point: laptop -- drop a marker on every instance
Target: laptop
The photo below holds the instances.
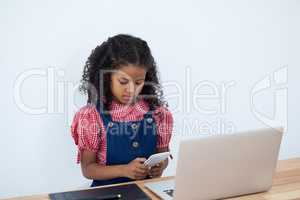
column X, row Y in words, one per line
column 223, row 166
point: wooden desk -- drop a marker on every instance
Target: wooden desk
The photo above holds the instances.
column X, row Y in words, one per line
column 286, row 184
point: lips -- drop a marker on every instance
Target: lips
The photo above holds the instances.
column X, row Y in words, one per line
column 127, row 98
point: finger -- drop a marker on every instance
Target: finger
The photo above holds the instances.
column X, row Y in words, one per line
column 160, row 164
column 141, row 160
column 156, row 170
column 140, row 171
column 155, row 167
column 142, row 175
column 155, row 174
column 143, row 167
column 139, row 177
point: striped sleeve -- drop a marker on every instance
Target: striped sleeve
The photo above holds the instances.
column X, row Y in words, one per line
column 164, row 122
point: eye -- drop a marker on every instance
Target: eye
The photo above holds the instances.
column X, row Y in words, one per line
column 123, row 81
column 139, row 82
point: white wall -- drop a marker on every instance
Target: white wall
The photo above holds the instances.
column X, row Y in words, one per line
column 218, row 41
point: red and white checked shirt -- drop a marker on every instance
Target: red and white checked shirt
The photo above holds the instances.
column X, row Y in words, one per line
column 87, row 125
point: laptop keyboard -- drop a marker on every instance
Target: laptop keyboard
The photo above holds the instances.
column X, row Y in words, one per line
column 169, row 192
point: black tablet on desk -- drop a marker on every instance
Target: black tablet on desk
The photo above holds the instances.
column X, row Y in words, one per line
column 124, row 192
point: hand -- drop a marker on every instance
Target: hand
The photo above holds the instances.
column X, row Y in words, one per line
column 157, row 170
column 136, row 169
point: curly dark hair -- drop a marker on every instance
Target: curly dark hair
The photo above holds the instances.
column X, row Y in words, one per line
column 117, row 51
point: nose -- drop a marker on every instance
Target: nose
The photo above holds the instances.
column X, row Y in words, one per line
column 130, row 89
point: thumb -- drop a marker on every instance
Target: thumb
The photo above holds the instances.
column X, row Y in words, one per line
column 141, row 159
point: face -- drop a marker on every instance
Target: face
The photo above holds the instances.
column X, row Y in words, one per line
column 127, row 83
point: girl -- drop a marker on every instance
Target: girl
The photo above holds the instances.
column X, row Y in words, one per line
column 126, row 119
